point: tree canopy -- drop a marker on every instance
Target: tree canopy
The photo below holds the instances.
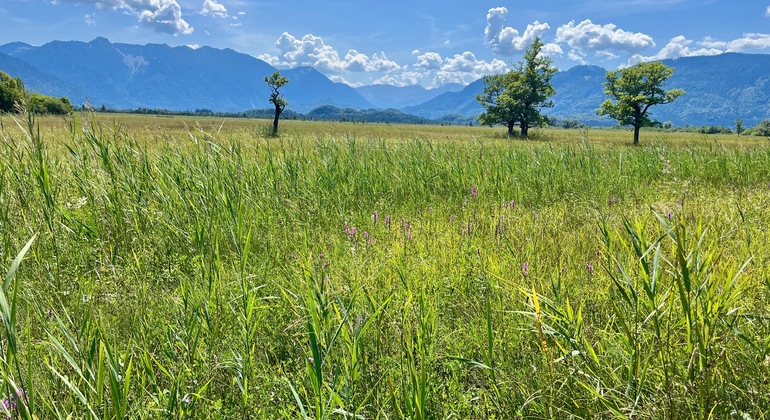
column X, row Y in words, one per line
column 275, row 82
column 11, row 92
column 515, row 98
column 635, row 90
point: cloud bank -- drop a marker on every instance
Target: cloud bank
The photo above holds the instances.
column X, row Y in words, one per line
column 429, row 68
column 160, row 15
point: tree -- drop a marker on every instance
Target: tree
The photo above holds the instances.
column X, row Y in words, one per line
column 11, row 92
column 275, row 82
column 635, row 90
column 739, row 126
column 42, row 104
column 517, row 96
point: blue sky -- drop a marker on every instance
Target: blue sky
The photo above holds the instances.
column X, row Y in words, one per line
column 400, row 42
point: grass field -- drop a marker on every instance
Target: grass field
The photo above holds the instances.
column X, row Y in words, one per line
column 198, row 268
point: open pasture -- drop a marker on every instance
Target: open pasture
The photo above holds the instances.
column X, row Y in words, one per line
column 198, row 268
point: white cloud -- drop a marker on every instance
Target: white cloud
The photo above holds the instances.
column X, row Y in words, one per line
column 767, row 12
column 212, row 8
column 505, row 40
column 465, row 68
column 406, row 78
column 160, row 15
column 747, row 42
column 339, row 79
column 429, row 61
column 193, row 46
column 90, row 19
column 587, row 36
column 311, row 50
column 678, row 47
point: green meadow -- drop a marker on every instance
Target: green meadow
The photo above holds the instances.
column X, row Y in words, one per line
column 195, row 268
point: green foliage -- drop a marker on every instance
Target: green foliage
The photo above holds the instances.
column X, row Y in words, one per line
column 761, row 129
column 635, row 90
column 517, row 96
column 42, row 104
column 739, row 128
column 275, row 82
column 11, row 92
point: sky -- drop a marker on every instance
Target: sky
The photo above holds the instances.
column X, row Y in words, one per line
column 400, row 42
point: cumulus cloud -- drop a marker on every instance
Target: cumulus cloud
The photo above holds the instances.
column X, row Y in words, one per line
column 767, row 12
column 160, row 15
column 465, row 68
column 311, row 50
column 586, row 37
column 746, row 42
column 505, row 40
column 678, row 47
column 212, row 8
column 90, row 19
column 406, row 78
column 429, row 61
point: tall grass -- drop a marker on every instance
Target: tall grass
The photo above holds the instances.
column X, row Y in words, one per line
column 341, row 271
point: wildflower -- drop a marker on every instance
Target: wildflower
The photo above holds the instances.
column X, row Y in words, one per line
column 375, row 216
column 350, row 231
column 187, row 399
column 310, row 359
column 473, row 191
column 525, row 269
column 387, row 220
column 451, row 218
column 590, row 268
column 669, row 215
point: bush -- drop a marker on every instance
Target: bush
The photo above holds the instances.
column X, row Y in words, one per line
column 761, row 129
column 11, row 92
column 42, row 104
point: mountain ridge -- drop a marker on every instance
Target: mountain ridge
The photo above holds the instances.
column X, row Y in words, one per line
column 719, row 89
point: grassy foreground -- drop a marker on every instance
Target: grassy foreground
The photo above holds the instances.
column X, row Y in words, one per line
column 168, row 268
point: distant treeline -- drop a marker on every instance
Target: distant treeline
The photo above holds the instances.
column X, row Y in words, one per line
column 322, row 113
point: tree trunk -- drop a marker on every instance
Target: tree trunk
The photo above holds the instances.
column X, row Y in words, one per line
column 636, row 134
column 524, row 130
column 510, row 129
column 275, row 120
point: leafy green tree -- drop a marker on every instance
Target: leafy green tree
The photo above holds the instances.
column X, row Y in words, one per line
column 275, row 82
column 517, row 96
column 739, row 126
column 11, row 92
column 42, row 104
column 635, row 90
column 499, row 105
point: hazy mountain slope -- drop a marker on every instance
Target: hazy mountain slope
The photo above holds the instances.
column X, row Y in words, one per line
column 388, row 96
column 38, row 81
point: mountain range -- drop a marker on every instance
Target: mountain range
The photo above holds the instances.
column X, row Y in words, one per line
column 125, row 76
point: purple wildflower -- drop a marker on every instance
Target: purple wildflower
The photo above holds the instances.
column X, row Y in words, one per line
column 387, row 220
column 525, row 269
column 473, row 191
column 187, row 399
column 590, row 268
column 375, row 216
